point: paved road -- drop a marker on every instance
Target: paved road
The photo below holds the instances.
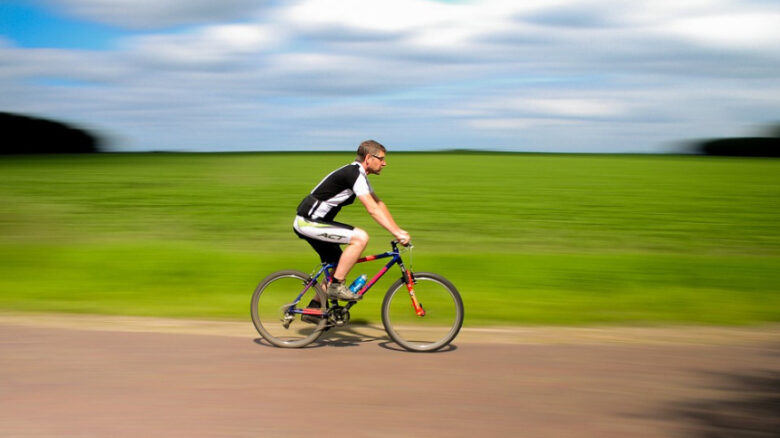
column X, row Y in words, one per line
column 75, row 382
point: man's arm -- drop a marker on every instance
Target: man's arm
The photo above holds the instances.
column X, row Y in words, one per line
column 378, row 210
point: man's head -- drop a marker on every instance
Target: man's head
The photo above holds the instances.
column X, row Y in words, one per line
column 372, row 156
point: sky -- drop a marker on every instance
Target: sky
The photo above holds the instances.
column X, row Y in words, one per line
column 602, row 76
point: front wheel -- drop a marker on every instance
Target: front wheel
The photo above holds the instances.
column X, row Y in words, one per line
column 276, row 314
column 442, row 319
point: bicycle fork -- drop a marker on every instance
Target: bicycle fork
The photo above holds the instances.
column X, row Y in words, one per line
column 409, row 280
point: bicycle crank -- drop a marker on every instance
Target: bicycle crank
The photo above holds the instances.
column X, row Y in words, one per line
column 338, row 316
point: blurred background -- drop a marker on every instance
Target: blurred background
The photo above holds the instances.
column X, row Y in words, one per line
column 561, row 162
column 548, row 76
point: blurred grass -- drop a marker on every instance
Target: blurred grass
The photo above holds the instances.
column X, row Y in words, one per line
column 528, row 239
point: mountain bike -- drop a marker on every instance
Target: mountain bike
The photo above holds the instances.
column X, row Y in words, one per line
column 421, row 311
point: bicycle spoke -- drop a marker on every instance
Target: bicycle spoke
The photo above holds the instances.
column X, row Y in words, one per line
column 443, row 313
column 272, row 310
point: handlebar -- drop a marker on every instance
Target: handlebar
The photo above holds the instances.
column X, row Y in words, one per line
column 395, row 243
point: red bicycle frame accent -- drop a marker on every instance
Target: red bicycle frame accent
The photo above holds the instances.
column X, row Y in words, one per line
column 396, row 259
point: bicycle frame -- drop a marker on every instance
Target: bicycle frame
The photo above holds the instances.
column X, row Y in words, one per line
column 326, row 270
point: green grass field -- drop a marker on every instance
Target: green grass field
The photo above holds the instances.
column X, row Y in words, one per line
column 528, row 239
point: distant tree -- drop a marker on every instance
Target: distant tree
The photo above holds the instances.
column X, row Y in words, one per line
column 744, row 147
column 30, row 135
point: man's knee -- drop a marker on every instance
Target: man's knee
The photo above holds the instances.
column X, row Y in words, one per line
column 359, row 237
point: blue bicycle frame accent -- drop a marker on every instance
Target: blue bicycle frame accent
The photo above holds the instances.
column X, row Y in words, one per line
column 326, row 268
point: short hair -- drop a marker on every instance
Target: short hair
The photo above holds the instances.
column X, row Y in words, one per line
column 369, row 147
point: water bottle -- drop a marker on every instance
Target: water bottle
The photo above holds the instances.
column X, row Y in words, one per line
column 358, row 284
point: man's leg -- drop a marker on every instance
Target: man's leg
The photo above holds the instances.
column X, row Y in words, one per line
column 351, row 254
column 325, row 238
column 337, row 289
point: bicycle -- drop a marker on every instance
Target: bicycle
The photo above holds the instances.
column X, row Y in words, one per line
column 280, row 321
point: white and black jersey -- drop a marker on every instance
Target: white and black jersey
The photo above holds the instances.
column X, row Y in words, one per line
column 336, row 190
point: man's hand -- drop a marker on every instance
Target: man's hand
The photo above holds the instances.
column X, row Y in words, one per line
column 402, row 237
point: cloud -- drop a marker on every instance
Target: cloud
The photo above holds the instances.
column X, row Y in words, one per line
column 746, row 31
column 155, row 14
column 535, row 75
column 216, row 44
column 398, row 17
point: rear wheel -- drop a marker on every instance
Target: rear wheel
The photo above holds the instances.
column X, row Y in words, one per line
column 272, row 309
column 443, row 313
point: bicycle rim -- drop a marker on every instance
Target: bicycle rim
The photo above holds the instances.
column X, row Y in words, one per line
column 443, row 313
column 270, row 307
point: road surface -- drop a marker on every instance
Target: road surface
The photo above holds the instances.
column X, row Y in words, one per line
column 126, row 377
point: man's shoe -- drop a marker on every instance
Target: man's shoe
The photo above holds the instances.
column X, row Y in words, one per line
column 337, row 291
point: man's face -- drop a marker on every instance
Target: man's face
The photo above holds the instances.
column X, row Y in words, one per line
column 375, row 163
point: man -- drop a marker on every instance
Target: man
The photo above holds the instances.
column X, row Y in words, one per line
column 316, row 213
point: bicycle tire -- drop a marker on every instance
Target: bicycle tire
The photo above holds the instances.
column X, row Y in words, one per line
column 268, row 308
column 444, row 313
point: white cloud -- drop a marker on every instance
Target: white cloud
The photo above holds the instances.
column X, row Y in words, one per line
column 497, row 74
column 370, row 16
column 23, row 64
column 151, row 14
column 519, row 124
column 576, row 107
column 206, row 45
column 751, row 31
column 566, row 107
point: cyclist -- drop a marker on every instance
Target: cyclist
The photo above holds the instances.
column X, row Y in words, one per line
column 316, row 213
